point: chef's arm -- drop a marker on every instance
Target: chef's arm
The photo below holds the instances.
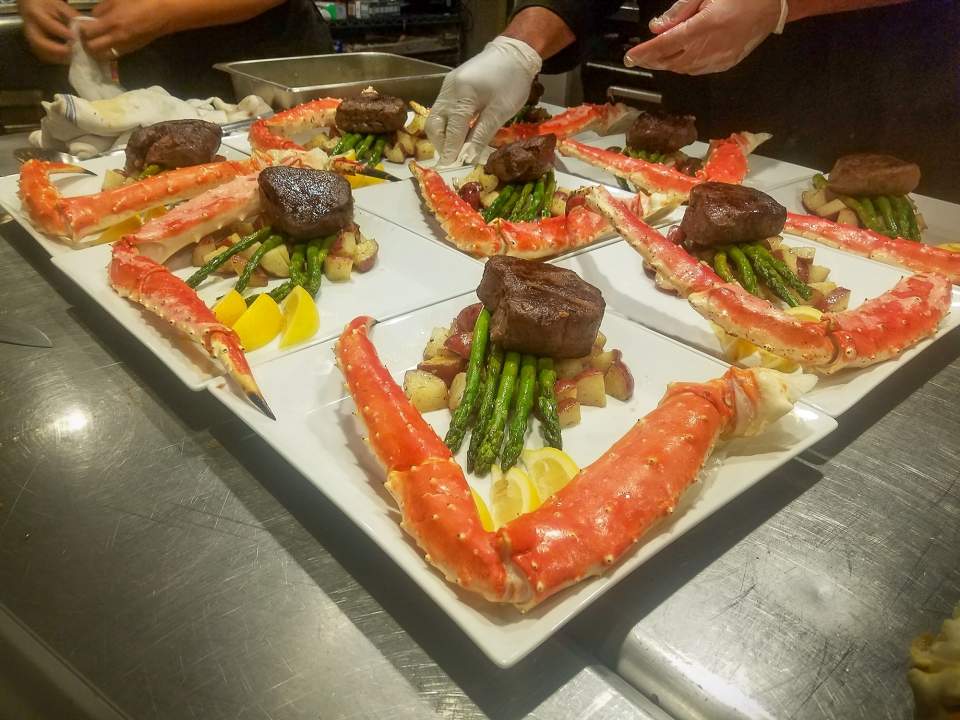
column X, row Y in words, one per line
column 192, row 14
column 799, row 9
column 561, row 31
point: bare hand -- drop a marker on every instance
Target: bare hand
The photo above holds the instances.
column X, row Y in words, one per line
column 706, row 36
column 46, row 25
column 122, row 26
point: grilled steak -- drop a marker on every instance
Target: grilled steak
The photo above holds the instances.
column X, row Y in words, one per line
column 172, row 144
column 540, row 309
column 536, row 92
column 720, row 214
column 306, row 203
column 524, row 160
column 661, row 132
column 869, row 174
column 371, row 113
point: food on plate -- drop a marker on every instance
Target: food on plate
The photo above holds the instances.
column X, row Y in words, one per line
column 260, row 324
column 540, row 309
column 600, row 118
column 524, row 160
column 935, row 675
column 593, row 520
column 499, row 361
column 660, row 133
column 531, row 112
column 300, row 318
column 365, row 129
column 880, row 329
column 171, row 144
column 305, row 203
column 869, row 191
column 726, row 162
column 723, row 213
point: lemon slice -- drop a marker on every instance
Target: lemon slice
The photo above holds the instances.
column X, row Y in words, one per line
column 130, row 225
column 230, row 307
column 805, row 313
column 259, row 324
column 300, row 318
column 550, row 469
column 486, row 522
column 512, row 495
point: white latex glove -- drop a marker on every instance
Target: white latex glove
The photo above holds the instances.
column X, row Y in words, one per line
column 494, row 84
column 706, row 36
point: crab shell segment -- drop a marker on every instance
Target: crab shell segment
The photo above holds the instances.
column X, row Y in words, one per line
column 274, row 132
column 569, row 122
column 909, row 254
column 554, row 235
column 727, row 158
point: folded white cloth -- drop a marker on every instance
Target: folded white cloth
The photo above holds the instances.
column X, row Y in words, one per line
column 102, row 115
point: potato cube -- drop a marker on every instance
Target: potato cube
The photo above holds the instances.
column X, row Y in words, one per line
column 277, row 261
column 366, row 255
column 813, row 200
column 337, row 269
column 618, row 381
column 488, row 181
column 426, row 392
column 445, row 367
column 601, row 341
column 424, row 150
column 570, row 367
column 565, row 390
column 345, row 245
column 591, row 389
column 435, row 345
column 201, row 250
column 457, row 387
column 488, row 199
column 568, row 410
column 394, row 153
column 407, row 143
column 818, row 273
column 831, row 208
column 848, row 217
column 459, row 344
column 604, row 359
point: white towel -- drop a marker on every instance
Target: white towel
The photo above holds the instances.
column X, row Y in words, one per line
column 102, row 115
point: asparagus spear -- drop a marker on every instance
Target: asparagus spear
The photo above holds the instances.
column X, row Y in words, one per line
column 865, row 212
column 464, row 411
column 317, row 252
column 522, row 201
column 747, row 277
column 511, row 203
column 878, row 224
column 909, row 215
column 279, row 293
column 889, row 217
column 547, row 404
column 791, row 278
column 488, row 395
column 364, row 146
column 244, row 278
column 201, row 274
column 347, row 142
column 377, row 151
column 522, row 405
column 820, row 182
column 490, row 445
column 494, row 210
column 722, row 267
column 770, row 276
column 548, row 193
column 535, row 201
column 149, row 170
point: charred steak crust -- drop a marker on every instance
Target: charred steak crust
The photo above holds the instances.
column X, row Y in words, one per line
column 524, row 160
column 540, row 309
column 306, row 203
column 371, row 113
column 721, row 214
column 172, row 144
column 872, row 174
column 536, row 92
column 656, row 131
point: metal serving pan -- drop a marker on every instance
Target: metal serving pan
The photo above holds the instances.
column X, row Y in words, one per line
column 285, row 82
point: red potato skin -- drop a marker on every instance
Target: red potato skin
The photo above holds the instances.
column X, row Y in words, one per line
column 618, row 381
column 460, row 344
column 445, row 368
column 574, row 201
column 467, row 318
column 565, row 390
column 568, row 410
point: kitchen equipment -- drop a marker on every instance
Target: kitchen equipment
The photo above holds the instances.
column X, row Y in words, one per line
column 285, row 82
column 16, row 332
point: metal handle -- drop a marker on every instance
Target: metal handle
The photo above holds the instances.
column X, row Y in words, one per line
column 646, row 96
column 633, row 73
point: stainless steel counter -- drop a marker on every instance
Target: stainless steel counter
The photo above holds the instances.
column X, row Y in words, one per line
column 179, row 568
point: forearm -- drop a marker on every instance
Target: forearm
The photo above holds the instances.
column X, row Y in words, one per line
column 541, row 29
column 799, row 9
column 191, row 14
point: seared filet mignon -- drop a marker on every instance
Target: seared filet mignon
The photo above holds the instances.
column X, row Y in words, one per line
column 536, row 92
column 720, row 214
column 540, row 309
column 371, row 113
column 172, row 144
column 869, row 174
column 661, row 132
column 524, row 160
column 306, row 203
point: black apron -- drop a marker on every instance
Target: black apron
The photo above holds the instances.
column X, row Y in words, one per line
column 182, row 63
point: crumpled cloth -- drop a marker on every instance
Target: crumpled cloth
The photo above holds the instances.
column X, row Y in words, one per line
column 102, row 114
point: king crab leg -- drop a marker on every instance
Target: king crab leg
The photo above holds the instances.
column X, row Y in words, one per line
column 273, row 133
column 588, row 525
column 878, row 330
column 570, row 122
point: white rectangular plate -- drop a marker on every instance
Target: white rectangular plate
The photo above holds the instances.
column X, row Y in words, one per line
column 407, row 276
column 317, row 433
column 71, row 186
column 400, row 203
column 942, row 218
column 618, row 271
column 763, row 172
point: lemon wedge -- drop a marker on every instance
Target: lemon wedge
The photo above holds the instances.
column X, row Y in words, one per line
column 952, row 247
column 359, row 181
column 230, row 307
column 805, row 313
column 130, row 225
column 512, row 495
column 550, row 469
column 486, row 521
column 260, row 323
column 300, row 318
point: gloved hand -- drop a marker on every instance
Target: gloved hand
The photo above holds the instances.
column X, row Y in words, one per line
column 495, row 83
column 706, row 36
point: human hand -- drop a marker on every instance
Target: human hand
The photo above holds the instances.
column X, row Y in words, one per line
column 46, row 25
column 122, row 26
column 706, row 36
column 495, row 83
